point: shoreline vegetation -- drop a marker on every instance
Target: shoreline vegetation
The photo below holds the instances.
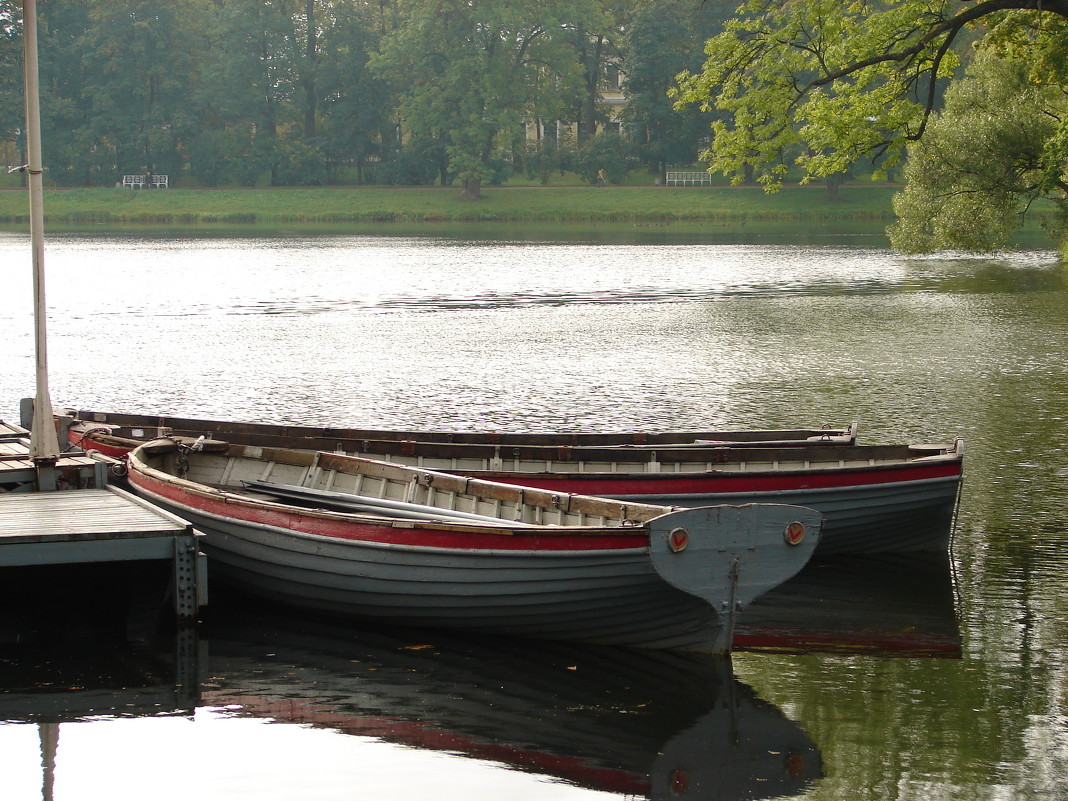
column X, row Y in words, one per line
column 118, row 207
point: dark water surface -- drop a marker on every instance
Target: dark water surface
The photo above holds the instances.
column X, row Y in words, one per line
column 928, row 680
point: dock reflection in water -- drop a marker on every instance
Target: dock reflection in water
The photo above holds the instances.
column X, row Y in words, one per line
column 642, row 723
column 59, row 675
column 71, row 679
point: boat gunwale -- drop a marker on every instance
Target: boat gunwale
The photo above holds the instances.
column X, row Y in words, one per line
column 629, row 527
column 189, row 426
column 548, row 553
column 819, row 459
column 948, row 466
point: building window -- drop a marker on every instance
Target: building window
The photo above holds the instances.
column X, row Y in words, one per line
column 613, row 78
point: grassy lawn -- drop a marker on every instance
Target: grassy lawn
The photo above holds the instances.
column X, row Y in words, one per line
column 505, row 204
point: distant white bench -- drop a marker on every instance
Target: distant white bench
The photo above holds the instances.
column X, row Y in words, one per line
column 145, row 181
column 688, row 178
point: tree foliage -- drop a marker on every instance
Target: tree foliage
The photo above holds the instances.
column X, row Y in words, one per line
column 314, row 91
column 137, row 114
column 663, row 39
column 992, row 151
column 817, row 84
column 354, row 104
column 10, row 70
column 473, row 71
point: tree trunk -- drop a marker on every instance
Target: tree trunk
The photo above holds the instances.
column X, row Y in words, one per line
column 834, row 183
column 471, row 188
column 311, row 58
column 588, row 129
column 591, row 62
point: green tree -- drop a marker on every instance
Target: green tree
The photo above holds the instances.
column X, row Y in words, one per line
column 595, row 48
column 141, row 57
column 250, row 80
column 69, row 150
column 11, row 105
column 986, row 157
column 607, row 152
column 233, row 89
column 821, row 83
column 664, row 38
column 309, row 64
column 472, row 72
column 355, row 104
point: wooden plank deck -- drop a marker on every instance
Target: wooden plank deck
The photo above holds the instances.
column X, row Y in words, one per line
column 11, row 432
column 17, row 467
column 19, row 473
column 101, row 525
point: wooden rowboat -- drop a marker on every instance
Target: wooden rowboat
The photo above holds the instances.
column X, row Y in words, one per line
column 114, row 434
column 343, row 535
column 874, row 498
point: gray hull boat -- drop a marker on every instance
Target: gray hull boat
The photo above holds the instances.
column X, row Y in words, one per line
column 348, row 536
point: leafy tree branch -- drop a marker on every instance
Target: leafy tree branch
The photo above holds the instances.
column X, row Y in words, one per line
column 819, row 84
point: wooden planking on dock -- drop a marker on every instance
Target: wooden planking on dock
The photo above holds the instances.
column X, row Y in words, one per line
column 16, row 466
column 14, row 441
column 19, row 471
column 100, row 525
column 78, row 515
column 10, row 431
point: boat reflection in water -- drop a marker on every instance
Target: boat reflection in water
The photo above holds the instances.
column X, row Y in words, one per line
column 640, row 723
column 887, row 605
column 651, row 724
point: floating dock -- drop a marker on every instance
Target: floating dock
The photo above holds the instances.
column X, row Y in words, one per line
column 19, row 473
column 82, row 526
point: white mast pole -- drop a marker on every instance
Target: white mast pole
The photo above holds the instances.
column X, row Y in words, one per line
column 44, row 444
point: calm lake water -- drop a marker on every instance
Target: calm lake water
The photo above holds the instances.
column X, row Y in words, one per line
column 944, row 680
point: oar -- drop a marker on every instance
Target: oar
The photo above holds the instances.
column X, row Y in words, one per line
column 364, row 503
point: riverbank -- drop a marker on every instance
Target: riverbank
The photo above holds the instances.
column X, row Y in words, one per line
column 118, row 207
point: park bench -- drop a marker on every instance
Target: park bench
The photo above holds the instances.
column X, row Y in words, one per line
column 688, row 178
column 145, row 181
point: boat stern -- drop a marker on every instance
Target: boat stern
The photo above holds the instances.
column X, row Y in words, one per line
column 730, row 555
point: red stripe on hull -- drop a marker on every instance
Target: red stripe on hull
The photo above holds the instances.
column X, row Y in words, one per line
column 91, row 444
column 332, row 526
column 653, row 484
column 106, row 450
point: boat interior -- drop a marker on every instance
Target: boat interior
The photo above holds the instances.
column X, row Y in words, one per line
column 498, row 459
column 339, row 482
